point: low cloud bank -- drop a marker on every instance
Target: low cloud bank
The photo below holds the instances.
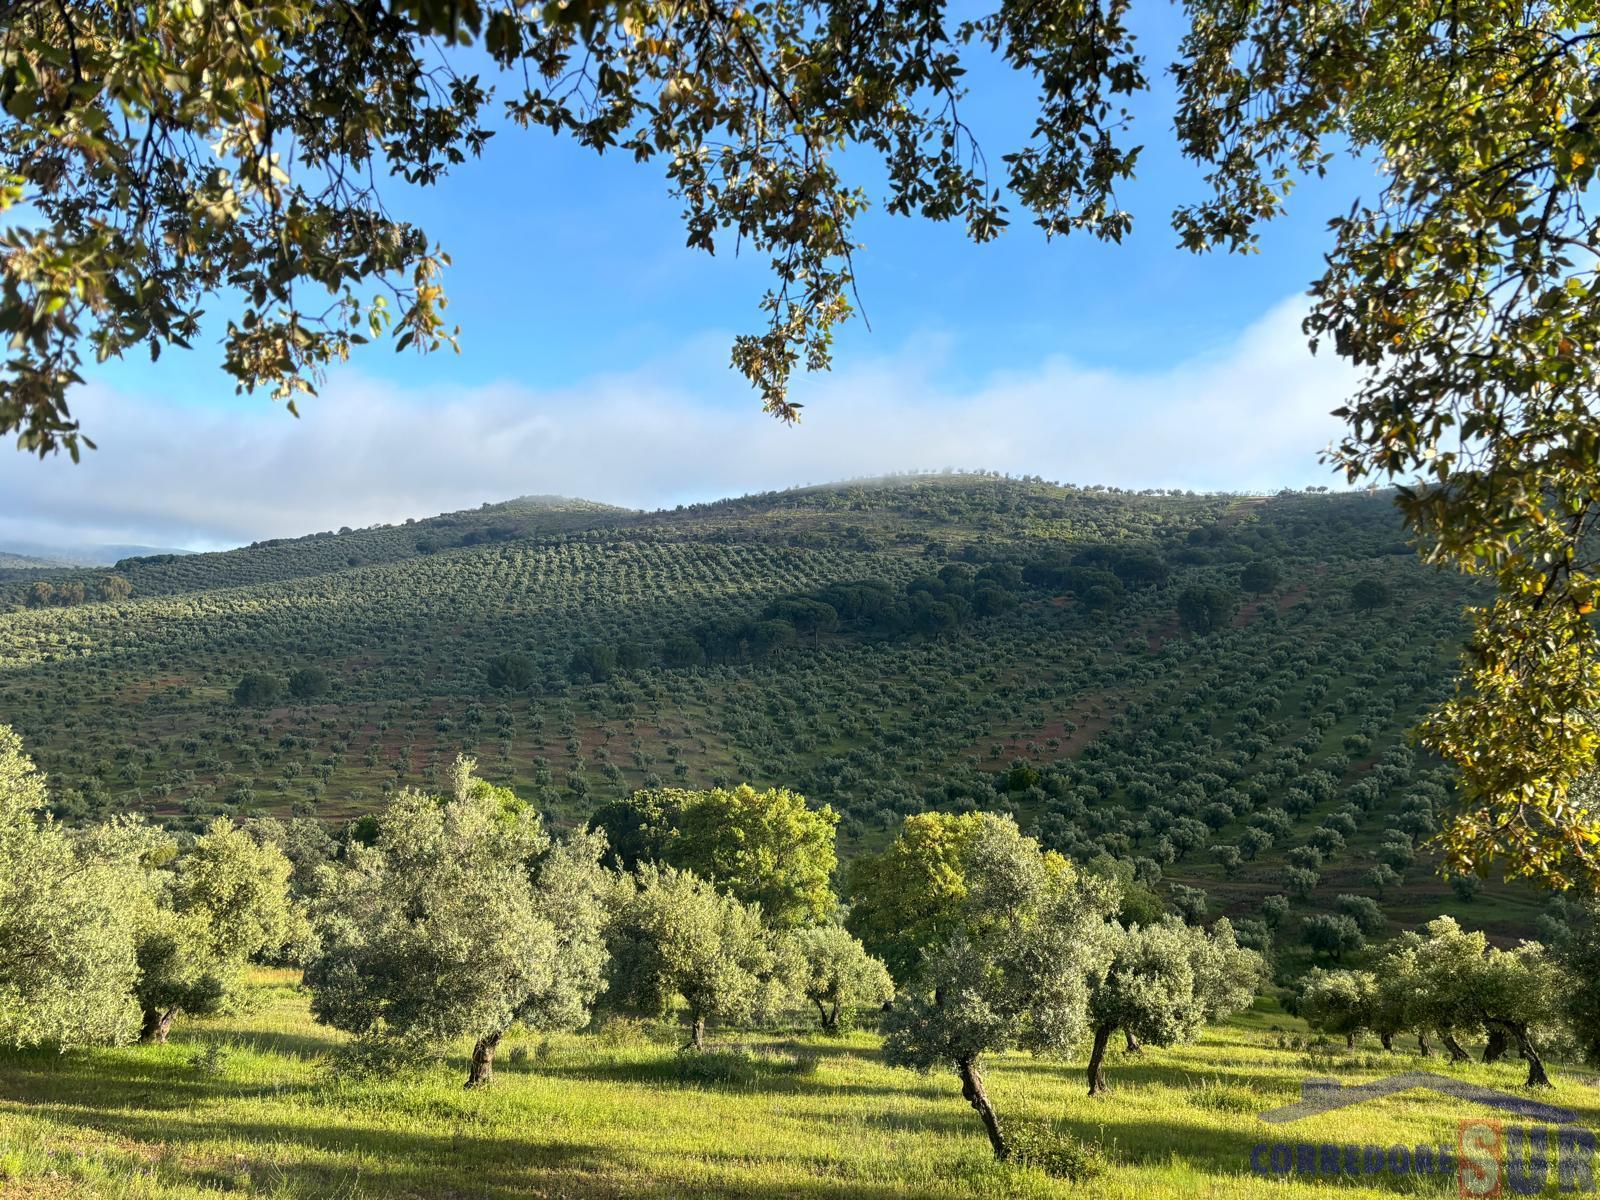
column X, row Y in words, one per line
column 1252, row 415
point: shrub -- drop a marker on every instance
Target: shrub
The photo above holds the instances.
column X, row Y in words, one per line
column 377, row 1057
column 734, row 1066
column 210, row 1061
column 1054, row 1151
column 625, row 1033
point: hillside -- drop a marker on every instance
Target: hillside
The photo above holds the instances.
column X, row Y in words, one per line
column 938, row 641
column 24, row 562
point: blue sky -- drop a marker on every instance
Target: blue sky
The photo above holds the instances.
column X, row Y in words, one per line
column 594, row 342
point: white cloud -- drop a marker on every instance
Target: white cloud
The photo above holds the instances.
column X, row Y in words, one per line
column 1252, row 415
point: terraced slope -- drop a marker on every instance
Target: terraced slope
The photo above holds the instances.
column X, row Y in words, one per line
column 996, row 664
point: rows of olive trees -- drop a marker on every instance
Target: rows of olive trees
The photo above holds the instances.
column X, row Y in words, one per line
column 459, row 916
column 1280, row 718
column 1450, row 984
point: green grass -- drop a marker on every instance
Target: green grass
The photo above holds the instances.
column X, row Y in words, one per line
column 603, row 1116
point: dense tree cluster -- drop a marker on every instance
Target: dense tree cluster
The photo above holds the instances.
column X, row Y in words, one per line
column 458, row 916
column 1448, row 983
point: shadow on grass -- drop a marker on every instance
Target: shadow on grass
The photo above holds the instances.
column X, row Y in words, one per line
column 1224, row 1154
column 387, row 1161
column 331, row 1161
column 128, row 1077
column 305, row 1046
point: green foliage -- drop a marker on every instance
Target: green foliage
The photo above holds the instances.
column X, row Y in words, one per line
column 594, row 664
column 1579, row 957
column 1261, row 575
column 207, row 911
column 640, row 827
column 908, row 899
column 1055, row 1151
column 67, row 961
column 1206, row 608
column 675, row 937
column 765, row 848
column 1461, row 290
column 257, row 689
column 1332, row 934
column 1365, row 912
column 461, row 918
column 839, row 976
column 1468, row 982
column 1343, row 1003
column 1030, row 935
column 307, row 683
column 1161, row 983
column 1138, row 903
column 1284, row 723
column 1367, row 595
column 512, row 672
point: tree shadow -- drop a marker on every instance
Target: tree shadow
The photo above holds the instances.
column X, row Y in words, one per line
column 391, row 1161
column 305, row 1046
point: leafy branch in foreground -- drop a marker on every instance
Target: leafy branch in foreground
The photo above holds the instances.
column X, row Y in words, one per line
column 180, row 152
column 174, row 153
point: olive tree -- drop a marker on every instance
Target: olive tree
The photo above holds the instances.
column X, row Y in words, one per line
column 1342, row 1003
column 1478, row 985
column 838, row 974
column 209, row 908
column 1163, row 982
column 1030, row 932
column 67, row 959
column 674, row 937
column 461, row 919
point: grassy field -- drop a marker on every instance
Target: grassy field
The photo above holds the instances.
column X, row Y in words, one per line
column 620, row 1114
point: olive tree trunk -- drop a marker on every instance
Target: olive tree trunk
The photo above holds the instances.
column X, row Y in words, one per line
column 1097, row 1058
column 482, row 1070
column 156, row 1025
column 1537, row 1076
column 1497, row 1045
column 1454, row 1048
column 829, row 1015
column 973, row 1093
column 697, row 1033
column 1133, row 1046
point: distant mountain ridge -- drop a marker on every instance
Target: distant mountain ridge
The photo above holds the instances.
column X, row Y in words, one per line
column 39, row 555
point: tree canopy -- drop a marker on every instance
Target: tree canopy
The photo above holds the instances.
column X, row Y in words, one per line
column 1029, row 934
column 908, row 897
column 439, row 930
column 675, row 937
column 67, row 960
column 762, row 847
column 208, row 909
column 1163, row 982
